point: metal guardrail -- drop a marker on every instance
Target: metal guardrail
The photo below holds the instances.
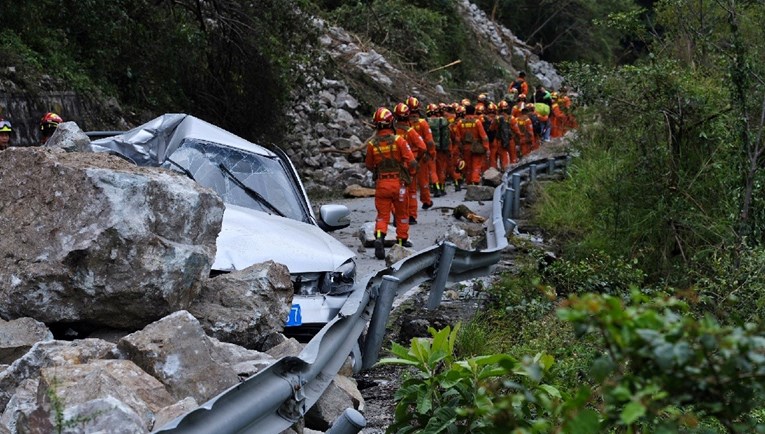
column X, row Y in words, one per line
column 275, row 398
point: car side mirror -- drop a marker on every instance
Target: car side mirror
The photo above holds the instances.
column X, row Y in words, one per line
column 333, row 217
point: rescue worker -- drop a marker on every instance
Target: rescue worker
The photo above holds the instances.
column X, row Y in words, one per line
column 542, row 104
column 520, row 84
column 490, row 121
column 455, row 171
column 390, row 159
column 426, row 173
column 526, row 128
column 481, row 114
column 557, row 117
column 439, row 127
column 565, row 103
column 536, row 125
column 519, row 105
column 507, row 132
column 475, row 144
column 6, row 129
column 418, row 148
column 48, row 124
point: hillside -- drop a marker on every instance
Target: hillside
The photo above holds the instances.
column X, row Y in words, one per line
column 326, row 89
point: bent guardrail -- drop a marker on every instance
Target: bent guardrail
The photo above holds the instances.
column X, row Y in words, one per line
column 275, row 398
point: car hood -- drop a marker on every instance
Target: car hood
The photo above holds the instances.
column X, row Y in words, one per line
column 249, row 237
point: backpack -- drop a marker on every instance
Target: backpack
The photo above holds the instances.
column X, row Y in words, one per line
column 390, row 164
column 517, row 85
column 439, row 127
column 503, row 131
column 476, row 147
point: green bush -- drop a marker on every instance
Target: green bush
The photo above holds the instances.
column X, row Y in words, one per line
column 597, row 273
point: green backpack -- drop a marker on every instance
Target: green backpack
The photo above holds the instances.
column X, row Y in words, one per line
column 439, row 127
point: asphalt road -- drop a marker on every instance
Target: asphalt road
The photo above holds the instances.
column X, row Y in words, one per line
column 431, row 225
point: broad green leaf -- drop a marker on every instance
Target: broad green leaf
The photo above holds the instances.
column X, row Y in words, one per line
column 632, row 412
column 551, row 390
column 397, row 361
column 440, row 421
column 585, row 422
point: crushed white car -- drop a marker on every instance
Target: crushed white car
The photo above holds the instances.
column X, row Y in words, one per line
column 268, row 215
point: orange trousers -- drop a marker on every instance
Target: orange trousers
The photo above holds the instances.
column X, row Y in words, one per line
column 391, row 193
column 423, row 181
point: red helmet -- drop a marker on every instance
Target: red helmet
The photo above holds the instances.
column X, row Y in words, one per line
column 432, row 109
column 480, row 108
column 383, row 118
column 49, row 123
column 401, row 111
column 522, row 96
column 442, row 106
column 414, row 104
column 503, row 106
column 482, row 98
column 492, row 108
column 465, row 102
column 460, row 111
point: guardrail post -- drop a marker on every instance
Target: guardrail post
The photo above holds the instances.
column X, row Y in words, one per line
column 350, row 422
column 533, row 172
column 442, row 273
column 376, row 330
column 507, row 203
column 510, row 226
column 550, row 166
column 517, row 195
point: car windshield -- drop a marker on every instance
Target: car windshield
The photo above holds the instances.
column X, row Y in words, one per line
column 232, row 172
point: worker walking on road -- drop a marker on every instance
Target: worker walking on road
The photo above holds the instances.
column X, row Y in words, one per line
column 426, row 171
column 439, row 127
column 419, row 149
column 391, row 161
column 475, row 144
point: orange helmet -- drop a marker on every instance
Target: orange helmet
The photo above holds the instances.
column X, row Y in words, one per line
column 522, row 96
column 503, row 106
column 530, row 106
column 401, row 111
column 432, row 109
column 480, row 108
column 465, row 102
column 414, row 104
column 482, row 98
column 442, row 106
column 492, row 108
column 383, row 118
column 554, row 95
column 460, row 111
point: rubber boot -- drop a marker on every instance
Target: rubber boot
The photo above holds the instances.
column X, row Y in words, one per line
column 404, row 242
column 458, row 186
column 380, row 246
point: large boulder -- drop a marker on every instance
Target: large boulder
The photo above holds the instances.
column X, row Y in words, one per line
column 176, row 351
column 70, row 389
column 48, row 354
column 91, row 238
column 244, row 307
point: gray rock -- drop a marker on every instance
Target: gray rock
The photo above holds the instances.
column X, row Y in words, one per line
column 492, row 177
column 172, row 411
column 289, row 348
column 479, row 193
column 244, row 307
column 104, row 415
column 17, row 337
column 51, row 353
column 23, row 401
column 330, row 405
column 397, row 253
column 69, row 137
column 91, row 238
column 245, row 363
column 176, row 351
